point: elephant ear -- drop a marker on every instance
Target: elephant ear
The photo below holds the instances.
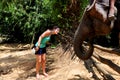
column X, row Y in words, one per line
column 98, row 10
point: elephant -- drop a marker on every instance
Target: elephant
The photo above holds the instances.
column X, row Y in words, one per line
column 94, row 22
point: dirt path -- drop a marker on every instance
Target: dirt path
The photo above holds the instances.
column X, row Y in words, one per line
column 19, row 64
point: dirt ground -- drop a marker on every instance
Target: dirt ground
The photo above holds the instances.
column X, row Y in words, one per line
column 17, row 62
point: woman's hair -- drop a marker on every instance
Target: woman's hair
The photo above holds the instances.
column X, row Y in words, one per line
column 53, row 27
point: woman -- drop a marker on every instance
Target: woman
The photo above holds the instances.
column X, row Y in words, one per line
column 112, row 10
column 40, row 48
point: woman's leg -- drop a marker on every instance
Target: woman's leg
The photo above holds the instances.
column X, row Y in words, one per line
column 38, row 61
column 111, row 12
column 43, row 58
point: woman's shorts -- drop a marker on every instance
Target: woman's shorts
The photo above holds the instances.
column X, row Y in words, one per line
column 41, row 51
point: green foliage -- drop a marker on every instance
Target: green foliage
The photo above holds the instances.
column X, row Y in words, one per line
column 84, row 3
column 22, row 19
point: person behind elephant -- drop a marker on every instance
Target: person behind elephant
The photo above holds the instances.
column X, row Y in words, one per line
column 111, row 15
column 40, row 48
column 112, row 10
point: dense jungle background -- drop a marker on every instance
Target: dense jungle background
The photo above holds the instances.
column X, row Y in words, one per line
column 21, row 23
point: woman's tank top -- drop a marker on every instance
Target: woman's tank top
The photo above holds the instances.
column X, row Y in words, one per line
column 43, row 42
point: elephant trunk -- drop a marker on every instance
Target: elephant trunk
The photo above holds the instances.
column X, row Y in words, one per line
column 80, row 50
column 84, row 30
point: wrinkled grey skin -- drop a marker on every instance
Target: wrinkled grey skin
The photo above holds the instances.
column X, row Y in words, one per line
column 93, row 23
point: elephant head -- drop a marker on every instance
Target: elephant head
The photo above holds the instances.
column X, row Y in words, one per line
column 94, row 22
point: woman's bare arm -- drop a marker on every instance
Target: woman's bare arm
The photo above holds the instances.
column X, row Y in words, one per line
column 46, row 33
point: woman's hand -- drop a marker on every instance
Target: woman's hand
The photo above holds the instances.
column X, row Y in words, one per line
column 37, row 48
